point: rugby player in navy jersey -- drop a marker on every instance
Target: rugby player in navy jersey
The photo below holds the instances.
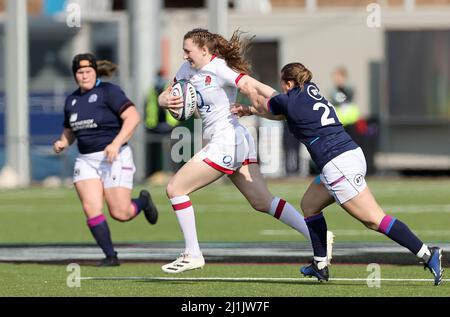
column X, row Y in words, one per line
column 101, row 118
column 313, row 121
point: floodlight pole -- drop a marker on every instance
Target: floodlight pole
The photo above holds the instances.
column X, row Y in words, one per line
column 218, row 17
column 17, row 119
column 145, row 47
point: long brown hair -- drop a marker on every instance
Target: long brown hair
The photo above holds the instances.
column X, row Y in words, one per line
column 106, row 68
column 232, row 51
column 102, row 68
column 297, row 73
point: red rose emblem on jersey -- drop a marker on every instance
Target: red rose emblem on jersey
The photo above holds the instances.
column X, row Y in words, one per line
column 208, row 80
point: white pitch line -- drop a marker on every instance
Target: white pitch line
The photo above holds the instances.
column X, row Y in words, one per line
column 250, row 279
column 350, row 232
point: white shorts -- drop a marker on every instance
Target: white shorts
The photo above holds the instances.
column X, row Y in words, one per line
column 344, row 175
column 95, row 166
column 230, row 150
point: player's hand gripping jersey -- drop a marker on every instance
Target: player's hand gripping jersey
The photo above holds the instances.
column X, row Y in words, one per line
column 313, row 121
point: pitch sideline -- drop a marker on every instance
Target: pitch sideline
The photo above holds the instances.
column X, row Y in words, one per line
column 248, row 279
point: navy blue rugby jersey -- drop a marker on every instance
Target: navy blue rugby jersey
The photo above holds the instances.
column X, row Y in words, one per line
column 313, row 121
column 94, row 116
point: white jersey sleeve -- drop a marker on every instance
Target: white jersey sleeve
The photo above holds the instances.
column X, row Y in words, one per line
column 227, row 76
column 184, row 72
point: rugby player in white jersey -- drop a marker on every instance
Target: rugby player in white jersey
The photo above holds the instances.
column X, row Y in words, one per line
column 217, row 69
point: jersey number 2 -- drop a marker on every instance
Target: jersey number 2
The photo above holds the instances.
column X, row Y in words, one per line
column 325, row 120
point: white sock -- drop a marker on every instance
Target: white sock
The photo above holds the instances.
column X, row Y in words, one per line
column 321, row 262
column 287, row 214
column 424, row 253
column 185, row 214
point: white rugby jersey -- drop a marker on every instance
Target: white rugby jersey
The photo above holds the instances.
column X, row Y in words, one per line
column 216, row 84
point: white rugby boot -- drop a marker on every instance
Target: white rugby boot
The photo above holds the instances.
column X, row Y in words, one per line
column 184, row 262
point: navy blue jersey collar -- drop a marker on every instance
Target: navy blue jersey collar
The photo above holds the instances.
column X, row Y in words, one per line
column 97, row 83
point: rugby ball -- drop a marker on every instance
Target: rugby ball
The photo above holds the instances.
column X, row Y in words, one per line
column 185, row 89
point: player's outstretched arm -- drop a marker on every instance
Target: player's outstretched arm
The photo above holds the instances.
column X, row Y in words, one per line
column 248, row 85
column 259, row 94
column 66, row 139
column 260, row 102
column 243, row 110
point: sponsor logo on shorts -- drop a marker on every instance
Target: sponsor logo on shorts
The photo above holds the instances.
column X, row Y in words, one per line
column 227, row 160
column 358, row 180
column 76, row 172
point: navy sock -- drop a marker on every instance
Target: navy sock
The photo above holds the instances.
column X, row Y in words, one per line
column 318, row 231
column 139, row 204
column 400, row 233
column 100, row 230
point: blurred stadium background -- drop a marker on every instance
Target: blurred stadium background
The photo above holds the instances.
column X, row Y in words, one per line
column 398, row 65
column 397, row 55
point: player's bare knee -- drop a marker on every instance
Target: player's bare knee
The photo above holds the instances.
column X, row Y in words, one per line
column 370, row 224
column 119, row 216
column 260, row 206
column 90, row 208
column 170, row 190
column 173, row 191
column 120, row 213
column 307, row 209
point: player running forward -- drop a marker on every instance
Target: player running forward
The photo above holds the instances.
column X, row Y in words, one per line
column 313, row 121
column 217, row 69
column 102, row 120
